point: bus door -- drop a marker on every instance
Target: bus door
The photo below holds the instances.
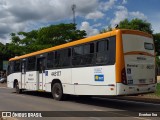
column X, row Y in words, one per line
column 41, row 73
column 23, row 75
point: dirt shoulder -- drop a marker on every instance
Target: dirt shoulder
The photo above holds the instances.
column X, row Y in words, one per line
column 3, row 84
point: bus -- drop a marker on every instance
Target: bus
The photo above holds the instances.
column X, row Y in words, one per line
column 118, row 62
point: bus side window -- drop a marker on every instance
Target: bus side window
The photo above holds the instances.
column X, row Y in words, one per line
column 102, row 51
column 9, row 70
column 41, row 64
column 17, row 67
column 31, row 63
column 77, row 58
column 88, row 58
column 78, row 50
column 57, row 59
column 65, row 57
column 50, row 60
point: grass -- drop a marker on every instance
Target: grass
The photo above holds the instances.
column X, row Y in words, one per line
column 158, row 90
column 156, row 94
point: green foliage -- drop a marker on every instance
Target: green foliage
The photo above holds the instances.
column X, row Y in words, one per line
column 157, row 61
column 157, row 43
column 136, row 24
column 5, row 53
column 105, row 30
column 59, row 34
column 158, row 89
column 26, row 42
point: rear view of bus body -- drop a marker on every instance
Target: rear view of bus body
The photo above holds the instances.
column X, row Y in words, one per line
column 138, row 74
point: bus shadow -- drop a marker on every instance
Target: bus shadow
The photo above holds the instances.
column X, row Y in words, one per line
column 37, row 94
column 106, row 102
column 115, row 103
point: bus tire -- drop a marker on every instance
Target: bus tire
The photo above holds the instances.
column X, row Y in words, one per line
column 19, row 91
column 57, row 91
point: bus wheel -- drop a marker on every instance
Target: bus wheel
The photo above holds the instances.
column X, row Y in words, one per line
column 19, row 91
column 57, row 91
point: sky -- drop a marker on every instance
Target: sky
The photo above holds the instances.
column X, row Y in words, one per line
column 91, row 15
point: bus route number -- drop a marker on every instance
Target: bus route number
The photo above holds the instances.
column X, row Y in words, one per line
column 56, row 73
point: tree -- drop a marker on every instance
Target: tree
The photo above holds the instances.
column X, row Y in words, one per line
column 157, row 43
column 59, row 34
column 105, row 30
column 26, row 42
column 136, row 24
column 4, row 53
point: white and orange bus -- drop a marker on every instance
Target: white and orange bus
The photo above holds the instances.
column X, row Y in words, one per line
column 119, row 62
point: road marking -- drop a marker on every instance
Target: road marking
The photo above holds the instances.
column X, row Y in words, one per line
column 141, row 118
column 95, row 118
column 97, row 109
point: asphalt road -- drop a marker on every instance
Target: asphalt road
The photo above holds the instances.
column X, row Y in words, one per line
column 90, row 109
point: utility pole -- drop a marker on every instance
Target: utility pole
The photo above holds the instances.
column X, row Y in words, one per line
column 73, row 9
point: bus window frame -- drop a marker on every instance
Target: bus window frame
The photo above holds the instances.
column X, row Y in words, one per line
column 145, row 43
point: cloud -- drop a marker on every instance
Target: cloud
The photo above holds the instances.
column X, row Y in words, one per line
column 107, row 5
column 27, row 10
column 154, row 20
column 85, row 6
column 97, row 25
column 120, row 15
column 19, row 15
column 94, row 15
column 123, row 13
column 89, row 29
column 124, row 1
column 137, row 14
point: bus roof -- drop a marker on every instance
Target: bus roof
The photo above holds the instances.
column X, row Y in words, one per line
column 81, row 41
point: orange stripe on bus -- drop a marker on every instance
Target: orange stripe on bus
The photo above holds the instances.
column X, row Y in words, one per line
column 119, row 56
column 139, row 53
column 126, row 31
